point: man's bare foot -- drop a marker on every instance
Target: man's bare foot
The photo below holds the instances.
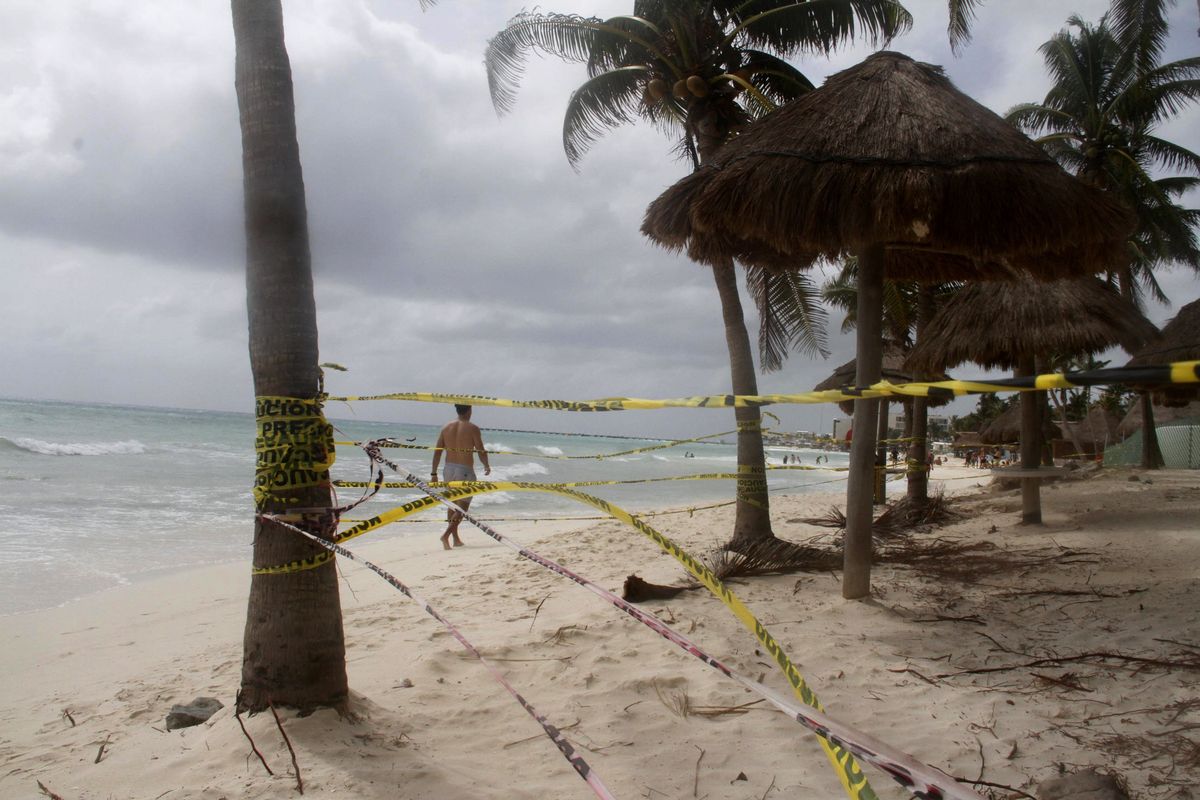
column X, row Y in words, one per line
column 446, row 541
column 458, row 542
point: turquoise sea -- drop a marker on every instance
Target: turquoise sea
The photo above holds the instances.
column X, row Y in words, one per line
column 97, row 496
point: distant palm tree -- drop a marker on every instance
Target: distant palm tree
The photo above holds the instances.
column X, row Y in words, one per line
column 1099, row 120
column 1110, row 93
column 699, row 72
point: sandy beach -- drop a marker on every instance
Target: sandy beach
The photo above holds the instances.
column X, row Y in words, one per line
column 1090, row 625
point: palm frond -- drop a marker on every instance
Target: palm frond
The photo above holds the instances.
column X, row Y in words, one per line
column 790, row 315
column 606, row 101
column 1141, row 27
column 567, row 36
column 962, row 14
column 626, row 40
column 1160, row 101
column 1033, row 118
column 775, row 78
column 1170, row 155
column 841, row 292
column 818, row 25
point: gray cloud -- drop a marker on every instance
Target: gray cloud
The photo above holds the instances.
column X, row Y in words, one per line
column 453, row 250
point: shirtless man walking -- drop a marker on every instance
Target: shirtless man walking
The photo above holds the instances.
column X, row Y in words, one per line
column 459, row 440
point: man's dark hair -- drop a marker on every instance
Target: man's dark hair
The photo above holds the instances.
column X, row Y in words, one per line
column 461, row 409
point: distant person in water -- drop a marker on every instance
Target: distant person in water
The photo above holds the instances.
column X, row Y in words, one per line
column 460, row 440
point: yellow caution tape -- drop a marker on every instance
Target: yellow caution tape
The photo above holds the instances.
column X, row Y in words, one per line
column 1179, row 372
column 391, row 443
column 701, row 476
column 293, row 445
column 848, row 771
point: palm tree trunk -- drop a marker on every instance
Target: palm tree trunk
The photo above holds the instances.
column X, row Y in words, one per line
column 918, row 447
column 752, row 523
column 294, row 650
column 881, row 455
column 856, row 581
column 1071, row 432
column 1031, row 452
column 1152, row 457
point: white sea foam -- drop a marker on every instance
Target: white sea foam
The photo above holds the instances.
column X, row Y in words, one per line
column 498, row 447
column 492, row 499
column 510, row 471
column 128, row 447
column 549, row 451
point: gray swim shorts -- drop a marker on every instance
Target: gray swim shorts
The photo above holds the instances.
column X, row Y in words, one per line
column 457, row 472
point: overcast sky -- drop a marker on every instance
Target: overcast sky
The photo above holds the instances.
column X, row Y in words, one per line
column 453, row 250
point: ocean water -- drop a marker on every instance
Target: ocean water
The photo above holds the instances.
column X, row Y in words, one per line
column 97, row 496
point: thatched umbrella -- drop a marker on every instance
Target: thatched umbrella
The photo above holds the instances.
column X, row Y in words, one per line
column 893, row 370
column 966, row 440
column 888, row 161
column 1180, row 342
column 1011, row 325
column 1097, row 430
column 1006, row 428
column 1132, row 422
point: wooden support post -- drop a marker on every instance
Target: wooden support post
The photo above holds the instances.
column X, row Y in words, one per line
column 1031, row 453
column 856, row 581
column 879, row 494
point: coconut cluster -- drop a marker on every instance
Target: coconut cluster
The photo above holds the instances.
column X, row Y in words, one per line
column 692, row 86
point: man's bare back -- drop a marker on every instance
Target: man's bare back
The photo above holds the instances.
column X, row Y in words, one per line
column 459, row 440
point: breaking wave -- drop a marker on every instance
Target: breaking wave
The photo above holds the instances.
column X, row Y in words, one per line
column 128, row 447
column 512, row 471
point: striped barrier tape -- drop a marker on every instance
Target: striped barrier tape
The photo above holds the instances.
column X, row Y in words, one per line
column 1184, row 372
column 455, row 490
column 568, row 751
column 854, row 782
column 293, row 446
column 840, row 742
column 700, row 476
column 392, row 443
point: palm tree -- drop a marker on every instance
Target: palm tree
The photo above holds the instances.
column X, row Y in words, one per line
column 1110, row 93
column 699, row 72
column 294, row 652
column 1099, row 118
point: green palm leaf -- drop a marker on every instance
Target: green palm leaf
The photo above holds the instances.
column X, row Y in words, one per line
column 606, row 101
column 818, row 25
column 790, row 315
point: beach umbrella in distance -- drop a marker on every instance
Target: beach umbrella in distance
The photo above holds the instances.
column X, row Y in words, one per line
column 893, row 370
column 888, row 161
column 1011, row 325
column 966, row 440
column 1097, row 430
column 1180, row 341
column 1131, row 423
column 1006, row 428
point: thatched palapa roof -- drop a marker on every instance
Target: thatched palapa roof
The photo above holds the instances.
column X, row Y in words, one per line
column 995, row 324
column 1162, row 415
column 1098, row 428
column 890, row 152
column 1006, row 428
column 1180, row 342
column 966, row 439
column 893, row 371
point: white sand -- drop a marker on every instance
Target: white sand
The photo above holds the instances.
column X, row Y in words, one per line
column 116, row 663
